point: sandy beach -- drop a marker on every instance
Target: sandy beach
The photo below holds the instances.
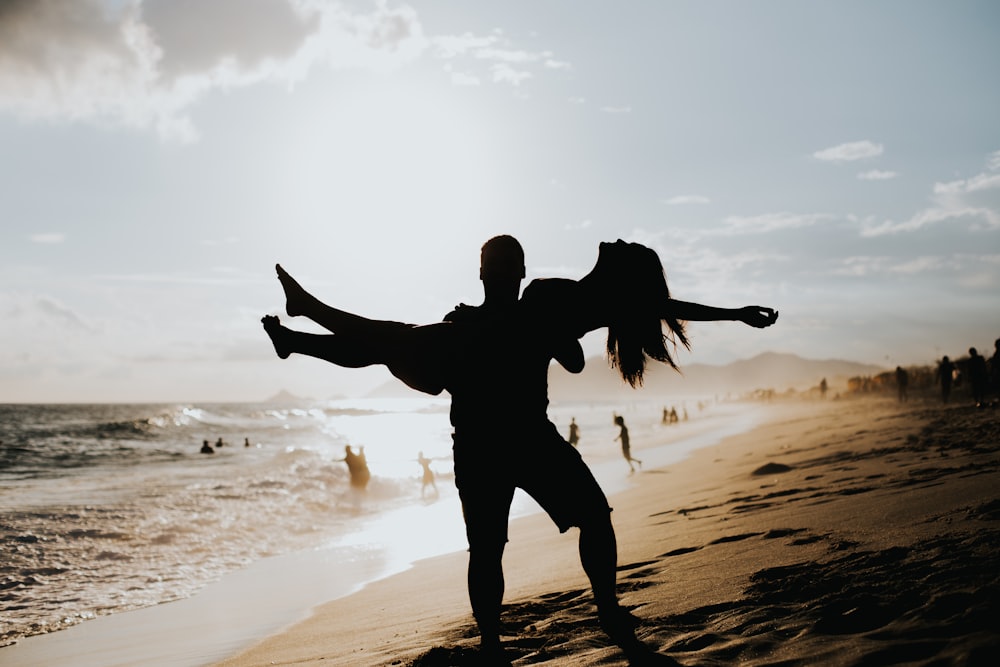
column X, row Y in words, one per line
column 851, row 532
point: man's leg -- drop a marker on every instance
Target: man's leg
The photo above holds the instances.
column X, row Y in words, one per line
column 579, row 501
column 486, row 498
column 599, row 557
column 486, row 587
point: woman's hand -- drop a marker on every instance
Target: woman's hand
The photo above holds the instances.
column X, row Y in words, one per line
column 758, row 317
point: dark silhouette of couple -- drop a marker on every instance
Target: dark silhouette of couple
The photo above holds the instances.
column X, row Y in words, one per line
column 493, row 359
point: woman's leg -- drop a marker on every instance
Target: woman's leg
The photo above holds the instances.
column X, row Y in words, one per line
column 412, row 354
column 338, row 350
column 300, row 302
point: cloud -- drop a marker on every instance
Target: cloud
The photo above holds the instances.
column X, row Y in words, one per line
column 247, row 35
column 855, row 150
column 217, row 243
column 769, row 222
column 497, row 51
column 973, row 199
column 616, row 110
column 709, row 270
column 687, row 199
column 41, row 314
column 993, row 161
column 452, row 46
column 967, row 268
column 918, row 265
column 509, row 55
column 867, row 266
column 144, row 64
column 983, row 182
column 860, row 267
column 876, row 175
column 48, row 237
column 504, row 73
column 74, row 61
column 925, row 218
column 221, row 277
column 460, row 79
column 55, row 312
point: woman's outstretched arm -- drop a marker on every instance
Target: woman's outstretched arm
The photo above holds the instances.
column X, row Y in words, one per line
column 755, row 316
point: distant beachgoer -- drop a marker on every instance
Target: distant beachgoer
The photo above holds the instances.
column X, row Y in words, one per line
column 206, row 448
column 626, row 446
column 902, row 380
column 979, row 377
column 428, row 478
column 673, row 415
column 666, row 416
column 357, row 466
column 823, row 387
column 574, row 432
column 219, row 443
column 995, row 367
column 246, row 442
column 945, row 373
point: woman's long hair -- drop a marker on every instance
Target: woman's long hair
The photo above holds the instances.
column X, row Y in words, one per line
column 638, row 287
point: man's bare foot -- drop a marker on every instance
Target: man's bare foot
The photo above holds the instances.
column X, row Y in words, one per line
column 278, row 335
column 491, row 654
column 297, row 300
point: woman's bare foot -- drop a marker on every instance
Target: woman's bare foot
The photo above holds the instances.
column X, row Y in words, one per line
column 278, row 335
column 297, row 300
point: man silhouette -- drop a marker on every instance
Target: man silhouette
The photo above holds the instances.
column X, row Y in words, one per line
column 504, row 440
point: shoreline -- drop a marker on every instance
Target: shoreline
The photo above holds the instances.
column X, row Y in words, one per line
column 266, row 597
column 859, row 532
column 726, row 555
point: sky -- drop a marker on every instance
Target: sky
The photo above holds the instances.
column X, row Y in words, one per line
column 838, row 160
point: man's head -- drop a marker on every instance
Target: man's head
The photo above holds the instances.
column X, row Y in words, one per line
column 501, row 267
column 501, row 258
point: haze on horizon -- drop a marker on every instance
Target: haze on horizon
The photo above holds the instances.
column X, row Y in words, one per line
column 838, row 160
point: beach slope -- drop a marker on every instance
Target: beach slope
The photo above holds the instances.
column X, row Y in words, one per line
column 855, row 532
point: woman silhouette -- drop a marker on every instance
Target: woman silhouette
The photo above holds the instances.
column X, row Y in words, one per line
column 626, row 292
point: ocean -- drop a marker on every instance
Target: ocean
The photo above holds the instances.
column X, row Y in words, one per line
column 109, row 508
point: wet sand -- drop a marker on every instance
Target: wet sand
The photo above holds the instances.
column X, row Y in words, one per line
column 855, row 532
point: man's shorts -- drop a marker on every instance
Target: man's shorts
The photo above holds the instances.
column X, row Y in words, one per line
column 536, row 459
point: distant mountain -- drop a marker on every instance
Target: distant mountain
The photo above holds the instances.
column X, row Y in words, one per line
column 286, row 397
column 769, row 370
